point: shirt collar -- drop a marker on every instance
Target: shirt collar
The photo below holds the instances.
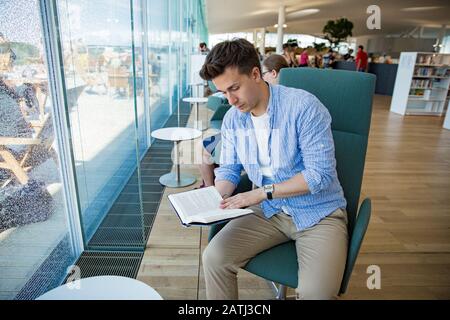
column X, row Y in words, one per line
column 270, row 109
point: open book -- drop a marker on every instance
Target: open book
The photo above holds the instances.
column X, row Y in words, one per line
column 202, row 207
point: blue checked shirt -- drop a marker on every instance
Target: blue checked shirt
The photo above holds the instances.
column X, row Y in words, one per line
column 300, row 141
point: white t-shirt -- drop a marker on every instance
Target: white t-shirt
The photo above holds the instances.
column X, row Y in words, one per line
column 262, row 131
column 262, row 128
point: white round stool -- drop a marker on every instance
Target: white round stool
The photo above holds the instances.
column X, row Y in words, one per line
column 176, row 134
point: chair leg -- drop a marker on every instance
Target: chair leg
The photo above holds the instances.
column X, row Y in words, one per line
column 280, row 290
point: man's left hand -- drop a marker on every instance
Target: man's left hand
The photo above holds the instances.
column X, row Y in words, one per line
column 245, row 199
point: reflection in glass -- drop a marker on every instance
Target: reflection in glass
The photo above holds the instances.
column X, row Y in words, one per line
column 99, row 66
column 33, row 225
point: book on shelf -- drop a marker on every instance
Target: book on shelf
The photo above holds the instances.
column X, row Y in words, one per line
column 202, row 207
column 430, row 72
column 425, row 59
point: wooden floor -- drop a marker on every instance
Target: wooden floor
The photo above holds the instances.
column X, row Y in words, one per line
column 407, row 176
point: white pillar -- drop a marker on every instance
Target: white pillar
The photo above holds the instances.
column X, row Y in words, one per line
column 281, row 21
column 255, row 37
column 262, row 44
column 421, row 32
column 442, row 37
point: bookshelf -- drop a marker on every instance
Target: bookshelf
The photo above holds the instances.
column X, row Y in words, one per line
column 422, row 84
column 447, row 118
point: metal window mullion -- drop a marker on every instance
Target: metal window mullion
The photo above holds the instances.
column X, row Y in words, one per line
column 61, row 123
column 170, row 56
column 189, row 39
column 145, row 73
column 179, row 42
column 136, row 119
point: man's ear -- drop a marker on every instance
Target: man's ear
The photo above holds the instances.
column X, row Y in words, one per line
column 256, row 74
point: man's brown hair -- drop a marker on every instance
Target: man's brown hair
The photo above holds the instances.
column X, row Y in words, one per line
column 235, row 53
column 275, row 62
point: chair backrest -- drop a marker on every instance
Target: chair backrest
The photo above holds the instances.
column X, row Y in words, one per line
column 348, row 97
column 36, row 154
column 73, row 94
column 212, row 86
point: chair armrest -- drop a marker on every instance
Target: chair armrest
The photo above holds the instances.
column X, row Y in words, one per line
column 219, row 114
column 38, row 124
column 214, row 229
column 18, row 141
column 356, row 239
column 214, row 102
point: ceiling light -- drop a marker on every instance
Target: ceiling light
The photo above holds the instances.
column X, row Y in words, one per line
column 302, row 13
column 420, row 8
column 276, row 25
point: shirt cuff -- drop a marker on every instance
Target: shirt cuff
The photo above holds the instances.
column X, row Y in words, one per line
column 227, row 175
column 313, row 180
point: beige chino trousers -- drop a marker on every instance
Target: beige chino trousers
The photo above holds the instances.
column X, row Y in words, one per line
column 321, row 253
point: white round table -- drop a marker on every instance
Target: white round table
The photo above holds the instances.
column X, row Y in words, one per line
column 176, row 134
column 196, row 93
column 199, row 125
column 103, row 288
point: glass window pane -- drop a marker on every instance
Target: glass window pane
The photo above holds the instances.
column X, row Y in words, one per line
column 99, row 65
column 34, row 237
column 158, row 42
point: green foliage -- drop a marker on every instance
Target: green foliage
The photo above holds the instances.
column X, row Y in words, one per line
column 24, row 52
column 292, row 42
column 338, row 30
column 319, row 46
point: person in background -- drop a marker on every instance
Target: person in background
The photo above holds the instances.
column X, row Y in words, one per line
column 361, row 60
column 326, row 59
column 12, row 120
column 304, row 59
column 203, row 48
column 293, row 46
column 289, row 56
column 318, row 60
column 383, row 58
column 260, row 55
column 332, row 60
column 348, row 56
column 271, row 67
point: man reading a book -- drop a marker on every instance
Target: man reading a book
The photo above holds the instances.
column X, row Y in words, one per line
column 282, row 138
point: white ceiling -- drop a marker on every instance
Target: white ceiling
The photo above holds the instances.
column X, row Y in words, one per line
column 243, row 15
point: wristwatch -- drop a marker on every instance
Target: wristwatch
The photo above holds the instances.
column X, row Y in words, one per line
column 269, row 189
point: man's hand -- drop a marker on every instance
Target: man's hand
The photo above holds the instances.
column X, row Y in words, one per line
column 245, row 199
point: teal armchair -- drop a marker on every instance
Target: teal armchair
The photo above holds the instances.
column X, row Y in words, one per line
column 219, row 105
column 348, row 96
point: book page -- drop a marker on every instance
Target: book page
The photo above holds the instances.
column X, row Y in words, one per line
column 198, row 201
column 202, row 206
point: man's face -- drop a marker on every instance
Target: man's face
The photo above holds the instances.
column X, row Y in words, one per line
column 242, row 91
